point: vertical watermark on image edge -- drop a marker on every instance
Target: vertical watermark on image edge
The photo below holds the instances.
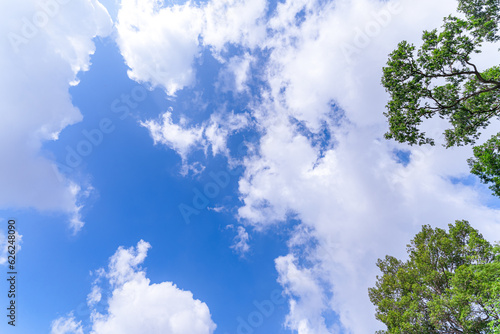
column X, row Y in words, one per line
column 12, row 272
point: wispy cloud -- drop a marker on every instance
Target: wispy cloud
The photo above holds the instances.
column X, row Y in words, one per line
column 184, row 138
column 241, row 245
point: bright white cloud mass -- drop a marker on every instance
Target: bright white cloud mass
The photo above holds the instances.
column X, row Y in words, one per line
column 308, row 73
column 47, row 44
column 137, row 306
column 161, row 43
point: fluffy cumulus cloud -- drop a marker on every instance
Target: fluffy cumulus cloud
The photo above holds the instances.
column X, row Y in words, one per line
column 321, row 157
column 136, row 306
column 161, row 43
column 47, row 43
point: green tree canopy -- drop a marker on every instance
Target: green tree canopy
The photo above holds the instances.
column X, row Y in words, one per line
column 440, row 79
column 486, row 163
column 449, row 284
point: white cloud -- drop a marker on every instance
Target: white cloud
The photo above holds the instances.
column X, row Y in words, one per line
column 222, row 125
column 179, row 138
column 136, row 306
column 160, row 44
column 124, row 264
column 94, row 296
column 234, row 21
column 236, row 73
column 241, row 241
column 184, row 139
column 47, row 44
column 302, row 283
column 66, row 325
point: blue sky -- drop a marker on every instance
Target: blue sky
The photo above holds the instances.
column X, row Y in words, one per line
column 215, row 166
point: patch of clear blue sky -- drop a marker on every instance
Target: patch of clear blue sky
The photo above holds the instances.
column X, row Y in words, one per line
column 467, row 180
column 402, row 156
